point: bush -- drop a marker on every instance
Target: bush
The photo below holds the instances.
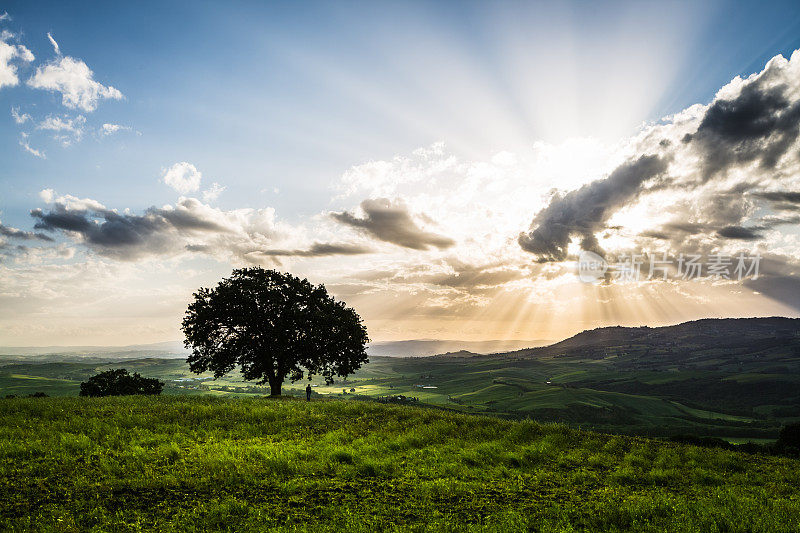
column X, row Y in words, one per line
column 120, row 383
column 789, row 439
column 704, row 442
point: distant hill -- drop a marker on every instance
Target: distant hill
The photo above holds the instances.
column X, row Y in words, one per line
column 427, row 347
column 167, row 350
column 699, row 343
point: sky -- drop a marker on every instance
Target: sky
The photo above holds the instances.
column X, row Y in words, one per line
column 443, row 167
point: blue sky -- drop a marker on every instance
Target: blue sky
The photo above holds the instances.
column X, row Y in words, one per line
column 248, row 91
column 276, row 102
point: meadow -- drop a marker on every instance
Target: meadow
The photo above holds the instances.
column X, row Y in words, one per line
column 589, row 394
column 202, row 463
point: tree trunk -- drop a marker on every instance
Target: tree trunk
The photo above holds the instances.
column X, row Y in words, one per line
column 275, row 387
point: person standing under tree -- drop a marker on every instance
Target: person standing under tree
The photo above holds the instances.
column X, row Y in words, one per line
column 308, row 392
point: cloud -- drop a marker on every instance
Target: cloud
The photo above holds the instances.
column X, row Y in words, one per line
column 468, row 277
column 5, row 16
column 213, row 193
column 75, row 81
column 183, row 177
column 10, row 55
column 47, row 195
column 67, row 130
column 15, row 233
column 320, row 250
column 19, row 118
column 740, row 233
column 391, row 222
column 24, row 143
column 188, row 226
column 585, row 211
column 384, row 178
column 110, row 129
column 697, row 176
column 127, row 236
column 54, row 43
column 778, row 197
column 759, row 123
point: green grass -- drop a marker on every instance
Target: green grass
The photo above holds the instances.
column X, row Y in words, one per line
column 201, row 463
column 21, row 385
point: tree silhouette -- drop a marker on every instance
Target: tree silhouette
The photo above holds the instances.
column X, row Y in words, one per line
column 119, row 382
column 272, row 325
column 789, row 439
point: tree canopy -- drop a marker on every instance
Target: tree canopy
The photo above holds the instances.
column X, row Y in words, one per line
column 119, row 382
column 789, row 438
column 272, row 325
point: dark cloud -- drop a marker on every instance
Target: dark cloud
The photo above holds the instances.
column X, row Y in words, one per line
column 15, row 233
column 391, row 222
column 675, row 230
column 656, row 235
column 583, row 212
column 112, row 234
column 165, row 231
column 199, row 248
column 777, row 279
column 760, row 124
column 108, row 230
column 779, row 197
column 740, row 233
column 319, row 249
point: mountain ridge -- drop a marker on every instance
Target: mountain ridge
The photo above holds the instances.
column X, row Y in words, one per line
column 694, row 335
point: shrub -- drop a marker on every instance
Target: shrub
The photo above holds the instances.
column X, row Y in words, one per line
column 789, row 439
column 120, row 383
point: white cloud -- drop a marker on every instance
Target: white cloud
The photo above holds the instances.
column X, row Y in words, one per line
column 5, row 16
column 110, row 129
column 47, row 195
column 11, row 53
column 19, row 118
column 213, row 193
column 67, row 130
column 72, row 203
column 183, row 177
column 54, row 43
column 75, row 81
column 62, row 123
column 24, row 143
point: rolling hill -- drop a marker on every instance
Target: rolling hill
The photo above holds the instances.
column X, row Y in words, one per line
column 705, row 344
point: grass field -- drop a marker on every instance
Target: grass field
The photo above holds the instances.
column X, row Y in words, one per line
column 200, row 463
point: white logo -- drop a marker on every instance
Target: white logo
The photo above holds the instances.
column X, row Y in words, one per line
column 591, row 267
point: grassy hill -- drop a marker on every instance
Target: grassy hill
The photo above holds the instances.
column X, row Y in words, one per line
column 203, row 463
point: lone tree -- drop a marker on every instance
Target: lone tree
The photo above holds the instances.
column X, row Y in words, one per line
column 120, row 383
column 272, row 325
